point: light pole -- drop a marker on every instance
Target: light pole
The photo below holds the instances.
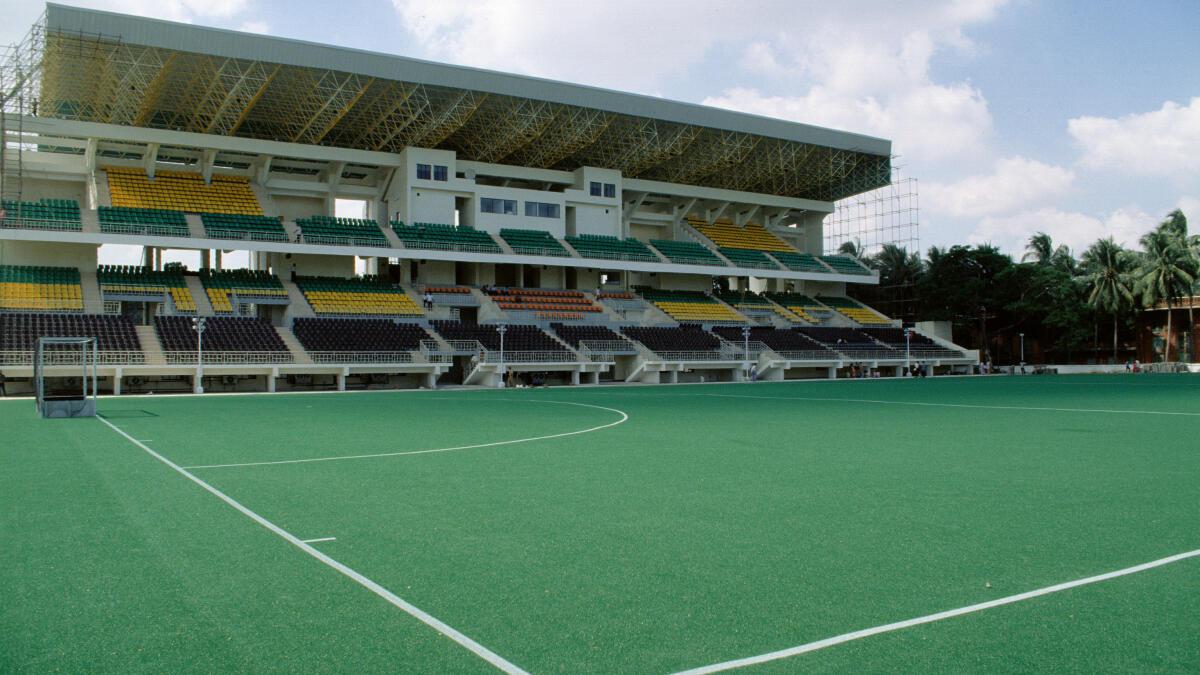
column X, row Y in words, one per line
column 907, row 348
column 501, row 329
column 198, row 326
column 746, row 348
column 1022, row 349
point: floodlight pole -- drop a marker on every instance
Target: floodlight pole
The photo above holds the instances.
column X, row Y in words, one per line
column 1022, row 349
column 746, row 348
column 198, row 326
column 501, row 329
column 907, row 347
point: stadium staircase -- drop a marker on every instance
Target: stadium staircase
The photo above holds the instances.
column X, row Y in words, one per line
column 293, row 232
column 195, row 226
column 297, row 304
column 293, row 345
column 93, row 301
column 89, row 219
column 199, row 295
column 151, row 347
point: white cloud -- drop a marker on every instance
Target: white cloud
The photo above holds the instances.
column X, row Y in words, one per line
column 861, row 66
column 21, row 14
column 1076, row 230
column 1163, row 142
column 1191, row 208
column 1014, row 183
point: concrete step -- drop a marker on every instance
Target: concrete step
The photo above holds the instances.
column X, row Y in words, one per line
column 293, row 345
column 93, row 300
column 299, row 306
column 203, row 306
column 151, row 347
column 195, row 225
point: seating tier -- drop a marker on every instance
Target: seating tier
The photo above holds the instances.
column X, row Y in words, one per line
column 685, row 338
column 150, row 222
column 572, row 334
column 434, row 236
column 367, row 296
column 844, row 264
column 690, row 306
column 855, row 312
column 686, row 252
column 222, row 285
column 44, row 214
column 136, row 280
column 800, row 262
column 517, row 337
column 327, row 230
column 221, row 334
column 547, row 303
column 742, row 257
column 611, row 248
column 44, row 289
column 533, row 242
column 243, row 227
column 20, row 332
column 358, row 335
column 182, row 191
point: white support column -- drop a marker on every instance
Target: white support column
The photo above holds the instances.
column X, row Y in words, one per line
column 832, row 372
column 117, row 374
column 431, row 380
column 594, row 377
column 271, row 377
column 341, row 379
column 150, row 159
column 575, row 377
column 672, row 377
column 207, row 158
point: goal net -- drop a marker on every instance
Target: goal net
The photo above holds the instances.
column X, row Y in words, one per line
column 64, row 376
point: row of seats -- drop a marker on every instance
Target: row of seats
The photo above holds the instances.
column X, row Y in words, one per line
column 800, row 262
column 370, row 296
column 182, row 191
column 143, row 281
column 686, row 252
column 242, row 226
column 745, row 301
column 684, row 338
column 611, row 248
column 801, row 305
column 221, row 334
column 778, row 339
column 20, row 332
column 744, row 257
column 854, row 311
column 50, row 214
column 149, row 222
column 690, row 306
column 848, row 341
column 573, row 334
column 844, row 264
column 532, row 242
column 517, row 337
column 725, row 234
column 222, row 285
column 46, row 289
column 438, row 237
column 359, row 335
column 539, row 300
column 341, row 231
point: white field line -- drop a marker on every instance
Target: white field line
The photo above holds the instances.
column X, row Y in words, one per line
column 414, row 611
column 958, row 405
column 315, row 541
column 948, row 614
column 493, row 444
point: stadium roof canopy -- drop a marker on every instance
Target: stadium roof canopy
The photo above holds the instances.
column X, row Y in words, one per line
column 112, row 68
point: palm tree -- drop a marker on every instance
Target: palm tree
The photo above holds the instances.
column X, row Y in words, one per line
column 1110, row 280
column 1163, row 275
column 1039, row 249
column 1175, row 226
column 852, row 248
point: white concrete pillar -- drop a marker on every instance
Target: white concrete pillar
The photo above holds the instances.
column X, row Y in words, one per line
column 341, row 382
column 219, row 259
column 672, row 377
column 594, row 377
column 431, row 380
column 832, row 372
column 271, row 381
column 574, row 377
column 116, row 382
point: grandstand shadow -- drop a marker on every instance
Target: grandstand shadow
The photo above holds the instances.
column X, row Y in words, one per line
column 126, row 414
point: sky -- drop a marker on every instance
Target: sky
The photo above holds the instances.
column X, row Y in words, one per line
column 1077, row 118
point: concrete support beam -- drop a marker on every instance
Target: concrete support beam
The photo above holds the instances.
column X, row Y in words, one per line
column 117, row 382
column 274, row 374
column 672, row 377
column 594, row 377
column 431, row 380
column 341, row 381
column 832, row 372
column 575, row 377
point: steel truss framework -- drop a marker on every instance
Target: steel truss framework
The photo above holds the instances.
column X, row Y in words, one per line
column 98, row 78
column 887, row 215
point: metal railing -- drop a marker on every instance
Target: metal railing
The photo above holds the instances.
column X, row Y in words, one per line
column 14, row 223
column 244, row 235
column 612, row 255
column 530, row 357
column 144, row 230
column 608, row 346
column 715, row 355
column 685, row 260
column 325, row 240
column 71, row 358
column 538, row 250
column 227, row 358
column 808, row 355
column 361, row 357
column 442, row 246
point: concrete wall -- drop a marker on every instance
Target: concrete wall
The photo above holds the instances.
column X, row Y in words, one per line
column 48, row 254
column 293, row 208
column 313, row 265
column 34, row 189
column 436, row 272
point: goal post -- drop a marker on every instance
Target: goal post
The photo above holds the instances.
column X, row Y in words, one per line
column 64, row 376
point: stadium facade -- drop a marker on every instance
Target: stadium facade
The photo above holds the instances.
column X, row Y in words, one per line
column 613, row 236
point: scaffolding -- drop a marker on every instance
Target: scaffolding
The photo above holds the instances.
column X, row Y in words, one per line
column 886, row 215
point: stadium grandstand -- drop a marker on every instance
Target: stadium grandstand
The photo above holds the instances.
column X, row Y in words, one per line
column 597, row 227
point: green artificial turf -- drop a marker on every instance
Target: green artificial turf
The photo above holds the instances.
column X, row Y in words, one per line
column 718, row 522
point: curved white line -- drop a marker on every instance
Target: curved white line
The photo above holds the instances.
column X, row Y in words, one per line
column 622, row 413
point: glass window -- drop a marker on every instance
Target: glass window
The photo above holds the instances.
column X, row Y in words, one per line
column 423, row 172
column 506, row 207
column 610, row 190
column 439, row 173
column 596, row 189
column 541, row 210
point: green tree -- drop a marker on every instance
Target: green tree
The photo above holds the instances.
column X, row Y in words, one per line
column 852, row 248
column 1163, row 274
column 1109, row 275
